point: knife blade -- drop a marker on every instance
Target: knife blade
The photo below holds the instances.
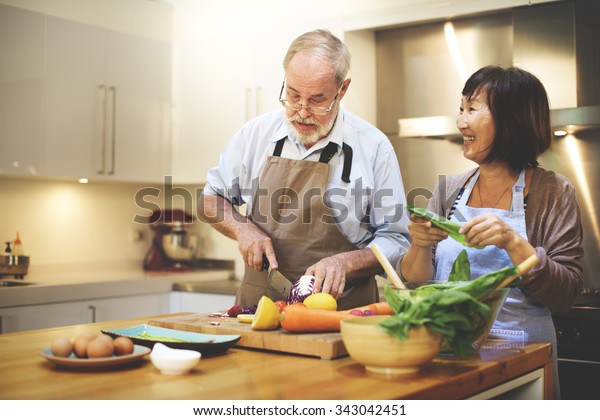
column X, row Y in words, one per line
column 279, row 282
column 276, row 280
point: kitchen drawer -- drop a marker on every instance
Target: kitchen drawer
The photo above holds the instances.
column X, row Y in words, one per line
column 81, row 312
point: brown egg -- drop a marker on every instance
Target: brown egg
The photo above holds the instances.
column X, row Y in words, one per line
column 99, row 347
column 108, row 340
column 88, row 334
column 61, row 347
column 80, row 345
column 123, row 346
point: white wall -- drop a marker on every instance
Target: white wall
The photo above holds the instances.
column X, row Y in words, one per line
column 62, row 222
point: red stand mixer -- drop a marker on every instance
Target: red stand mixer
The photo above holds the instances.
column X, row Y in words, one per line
column 173, row 248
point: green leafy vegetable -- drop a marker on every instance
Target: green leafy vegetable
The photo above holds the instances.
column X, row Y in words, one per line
column 451, row 308
column 461, row 269
column 456, row 315
column 442, row 223
column 479, row 287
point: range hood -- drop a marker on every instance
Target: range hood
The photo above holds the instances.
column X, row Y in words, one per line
column 575, row 120
column 559, row 42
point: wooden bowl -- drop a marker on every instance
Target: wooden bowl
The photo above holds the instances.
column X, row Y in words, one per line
column 382, row 353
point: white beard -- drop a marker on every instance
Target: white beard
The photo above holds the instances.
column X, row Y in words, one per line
column 322, row 130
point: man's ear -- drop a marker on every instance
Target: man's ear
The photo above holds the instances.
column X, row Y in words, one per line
column 345, row 85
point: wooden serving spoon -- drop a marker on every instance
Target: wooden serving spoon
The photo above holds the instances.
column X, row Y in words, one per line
column 523, row 268
column 389, row 270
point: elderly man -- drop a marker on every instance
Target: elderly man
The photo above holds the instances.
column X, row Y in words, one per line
column 320, row 184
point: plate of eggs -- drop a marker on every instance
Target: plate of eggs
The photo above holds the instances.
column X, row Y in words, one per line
column 90, row 351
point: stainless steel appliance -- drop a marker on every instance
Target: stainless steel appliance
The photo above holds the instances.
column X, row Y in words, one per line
column 173, row 247
column 578, row 335
column 419, row 79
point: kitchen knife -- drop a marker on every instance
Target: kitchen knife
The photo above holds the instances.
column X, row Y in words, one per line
column 276, row 280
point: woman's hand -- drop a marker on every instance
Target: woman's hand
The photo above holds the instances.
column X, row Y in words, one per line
column 489, row 229
column 423, row 234
column 416, row 265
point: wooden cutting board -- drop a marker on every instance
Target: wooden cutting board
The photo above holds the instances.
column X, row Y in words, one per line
column 323, row 345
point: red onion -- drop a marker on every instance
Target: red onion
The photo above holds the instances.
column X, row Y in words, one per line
column 301, row 289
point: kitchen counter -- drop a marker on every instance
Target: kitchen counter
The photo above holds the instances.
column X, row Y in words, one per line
column 217, row 287
column 241, row 374
column 72, row 283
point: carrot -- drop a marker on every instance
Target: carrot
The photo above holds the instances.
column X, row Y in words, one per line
column 380, row 308
column 299, row 318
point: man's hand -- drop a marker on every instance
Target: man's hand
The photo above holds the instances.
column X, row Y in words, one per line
column 253, row 243
column 332, row 273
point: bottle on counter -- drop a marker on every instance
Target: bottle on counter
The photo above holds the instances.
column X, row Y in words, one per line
column 18, row 246
column 7, row 250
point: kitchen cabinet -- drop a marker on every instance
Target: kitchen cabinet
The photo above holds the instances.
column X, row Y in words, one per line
column 107, row 103
column 82, row 100
column 88, row 311
column 21, row 90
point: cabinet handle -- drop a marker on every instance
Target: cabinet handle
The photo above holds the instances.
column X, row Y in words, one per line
column 113, row 130
column 248, row 104
column 257, row 95
column 102, row 104
column 92, row 308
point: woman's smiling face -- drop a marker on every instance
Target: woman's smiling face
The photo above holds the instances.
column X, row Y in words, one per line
column 476, row 124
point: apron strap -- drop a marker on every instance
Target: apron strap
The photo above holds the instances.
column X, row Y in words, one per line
column 518, row 202
column 328, row 152
column 347, row 162
column 279, row 147
column 326, row 155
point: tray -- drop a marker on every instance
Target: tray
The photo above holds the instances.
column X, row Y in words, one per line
column 204, row 343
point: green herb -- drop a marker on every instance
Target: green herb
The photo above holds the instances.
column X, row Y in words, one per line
column 451, row 308
column 442, row 223
column 146, row 336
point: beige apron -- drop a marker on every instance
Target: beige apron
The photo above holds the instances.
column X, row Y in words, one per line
column 289, row 207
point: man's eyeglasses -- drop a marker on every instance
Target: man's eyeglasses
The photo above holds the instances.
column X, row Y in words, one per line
column 316, row 110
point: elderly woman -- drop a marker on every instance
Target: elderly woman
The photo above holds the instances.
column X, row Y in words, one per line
column 508, row 205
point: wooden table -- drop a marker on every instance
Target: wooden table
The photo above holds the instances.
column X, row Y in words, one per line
column 241, row 374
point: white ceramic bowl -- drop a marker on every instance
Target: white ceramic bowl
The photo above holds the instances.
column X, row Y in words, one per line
column 173, row 361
